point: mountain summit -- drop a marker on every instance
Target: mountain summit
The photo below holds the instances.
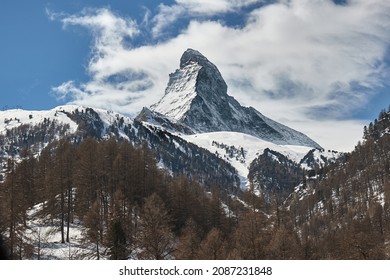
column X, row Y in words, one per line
column 196, row 101
column 197, row 87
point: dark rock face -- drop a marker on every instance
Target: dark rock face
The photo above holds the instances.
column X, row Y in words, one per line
column 196, row 99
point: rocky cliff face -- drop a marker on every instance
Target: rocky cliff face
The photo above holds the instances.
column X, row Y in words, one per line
column 196, row 101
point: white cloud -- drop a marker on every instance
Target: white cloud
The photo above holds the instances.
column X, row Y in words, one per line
column 67, row 90
column 168, row 14
column 297, row 61
column 111, row 32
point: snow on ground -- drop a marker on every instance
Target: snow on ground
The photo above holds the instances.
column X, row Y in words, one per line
column 13, row 118
column 252, row 147
column 319, row 157
column 108, row 118
column 47, row 239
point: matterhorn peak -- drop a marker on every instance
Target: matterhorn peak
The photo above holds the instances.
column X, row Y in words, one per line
column 196, row 100
column 197, row 81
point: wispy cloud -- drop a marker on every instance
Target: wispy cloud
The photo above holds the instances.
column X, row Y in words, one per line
column 111, row 82
column 297, row 61
column 168, row 14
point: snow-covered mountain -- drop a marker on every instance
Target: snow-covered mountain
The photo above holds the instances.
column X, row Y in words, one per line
column 197, row 108
column 195, row 117
column 196, row 101
column 34, row 130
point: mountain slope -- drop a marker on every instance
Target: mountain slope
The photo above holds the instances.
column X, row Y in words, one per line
column 34, row 130
column 240, row 150
column 196, row 101
column 343, row 210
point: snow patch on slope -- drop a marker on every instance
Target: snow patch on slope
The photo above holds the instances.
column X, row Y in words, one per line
column 47, row 239
column 14, row 118
column 248, row 146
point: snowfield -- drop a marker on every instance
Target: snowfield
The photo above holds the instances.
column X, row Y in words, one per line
column 14, row 118
column 252, row 147
column 47, row 239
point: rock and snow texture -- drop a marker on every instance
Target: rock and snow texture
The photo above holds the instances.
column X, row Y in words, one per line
column 241, row 149
column 15, row 118
column 196, row 100
column 180, row 92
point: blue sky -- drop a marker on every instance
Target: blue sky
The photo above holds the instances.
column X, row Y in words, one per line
column 37, row 53
column 319, row 66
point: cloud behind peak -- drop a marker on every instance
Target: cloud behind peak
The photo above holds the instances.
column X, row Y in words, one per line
column 314, row 60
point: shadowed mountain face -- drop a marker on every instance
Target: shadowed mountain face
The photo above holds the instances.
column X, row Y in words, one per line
column 196, row 101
